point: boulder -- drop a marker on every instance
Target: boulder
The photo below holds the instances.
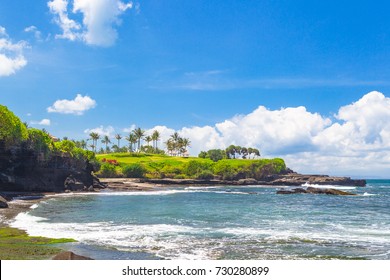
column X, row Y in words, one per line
column 67, row 255
column 73, row 184
column 3, row 202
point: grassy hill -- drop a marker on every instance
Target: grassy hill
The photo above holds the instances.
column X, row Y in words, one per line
column 163, row 166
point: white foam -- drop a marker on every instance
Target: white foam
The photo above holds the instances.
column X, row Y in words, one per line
column 368, row 194
column 154, row 192
column 34, row 206
column 336, row 187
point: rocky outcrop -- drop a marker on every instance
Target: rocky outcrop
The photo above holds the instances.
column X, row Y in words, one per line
column 292, row 179
column 3, row 202
column 312, row 190
column 21, row 170
column 67, row 255
column 295, row 179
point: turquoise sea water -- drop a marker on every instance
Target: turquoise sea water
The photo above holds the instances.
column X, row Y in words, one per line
column 219, row 223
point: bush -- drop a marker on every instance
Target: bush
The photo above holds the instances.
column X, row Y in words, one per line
column 224, row 169
column 107, row 171
column 195, row 167
column 180, row 176
column 134, row 170
column 205, row 175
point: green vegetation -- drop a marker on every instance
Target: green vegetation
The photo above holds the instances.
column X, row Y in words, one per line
column 12, row 130
column 163, row 166
column 15, row 244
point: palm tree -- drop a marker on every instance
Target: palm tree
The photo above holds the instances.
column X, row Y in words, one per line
column 155, row 138
column 148, row 139
column 186, row 143
column 132, row 140
column 95, row 137
column 170, row 146
column 106, row 140
column 139, row 134
column 118, row 137
column 83, row 144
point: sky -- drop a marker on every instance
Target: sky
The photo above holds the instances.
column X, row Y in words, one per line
column 308, row 81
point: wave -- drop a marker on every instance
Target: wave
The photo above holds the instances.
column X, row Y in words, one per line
column 369, row 194
column 336, row 187
column 151, row 193
column 175, row 241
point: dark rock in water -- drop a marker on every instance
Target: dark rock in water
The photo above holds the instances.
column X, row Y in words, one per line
column 73, row 184
column 248, row 181
column 3, row 202
column 67, row 255
column 295, row 179
column 312, row 190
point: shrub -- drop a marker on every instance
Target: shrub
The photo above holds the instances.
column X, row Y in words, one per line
column 107, row 171
column 134, row 170
column 180, row 176
column 224, row 169
column 205, row 175
column 195, row 167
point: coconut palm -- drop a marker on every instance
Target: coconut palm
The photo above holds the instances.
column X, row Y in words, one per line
column 106, row 140
column 185, row 143
column 148, row 139
column 118, row 137
column 95, row 137
column 155, row 137
column 132, row 140
column 170, row 146
column 139, row 134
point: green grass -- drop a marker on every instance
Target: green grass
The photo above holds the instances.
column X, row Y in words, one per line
column 163, row 166
column 15, row 244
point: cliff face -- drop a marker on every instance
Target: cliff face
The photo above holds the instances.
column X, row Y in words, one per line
column 21, row 170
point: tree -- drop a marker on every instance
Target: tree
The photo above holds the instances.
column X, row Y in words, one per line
column 216, row 154
column 139, row 134
column 155, row 138
column 95, row 137
column 132, row 139
column 203, row 154
column 106, row 140
column 148, row 139
column 185, row 142
column 12, row 130
column 118, row 137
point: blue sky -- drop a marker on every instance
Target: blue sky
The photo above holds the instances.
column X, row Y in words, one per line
column 192, row 66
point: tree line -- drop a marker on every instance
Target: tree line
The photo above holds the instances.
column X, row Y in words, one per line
column 231, row 152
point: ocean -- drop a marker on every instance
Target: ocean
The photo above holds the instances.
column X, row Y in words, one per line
column 218, row 223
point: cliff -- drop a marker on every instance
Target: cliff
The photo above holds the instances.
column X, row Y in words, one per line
column 22, row 170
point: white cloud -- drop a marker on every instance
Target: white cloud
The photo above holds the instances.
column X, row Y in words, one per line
column 356, row 143
column 99, row 20
column 33, row 29
column 102, row 131
column 76, row 106
column 70, row 28
column 129, row 129
column 11, row 54
column 45, row 122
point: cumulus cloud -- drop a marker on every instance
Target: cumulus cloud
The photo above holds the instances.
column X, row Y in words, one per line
column 11, row 54
column 356, row 142
column 102, row 131
column 45, row 122
column 100, row 17
column 76, row 106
